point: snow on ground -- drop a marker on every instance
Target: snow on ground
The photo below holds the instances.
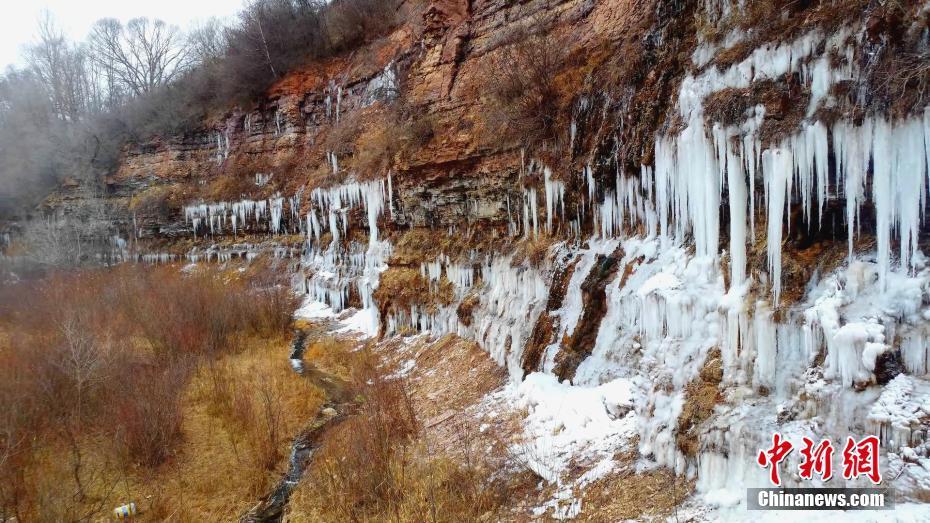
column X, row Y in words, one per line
column 362, row 321
column 664, row 315
column 572, row 424
column 314, row 310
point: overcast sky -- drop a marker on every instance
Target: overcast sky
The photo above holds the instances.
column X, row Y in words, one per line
column 20, row 17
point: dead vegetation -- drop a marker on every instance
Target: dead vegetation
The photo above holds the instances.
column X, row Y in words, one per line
column 785, row 103
column 155, row 201
column 466, row 308
column 422, row 244
column 401, row 288
column 643, row 74
column 532, row 251
column 896, row 75
column 378, row 465
column 374, row 140
column 631, row 496
column 701, row 396
column 899, row 80
column 96, row 380
column 526, row 97
column 775, row 20
column 542, row 334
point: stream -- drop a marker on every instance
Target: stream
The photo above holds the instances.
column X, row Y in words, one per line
column 271, row 508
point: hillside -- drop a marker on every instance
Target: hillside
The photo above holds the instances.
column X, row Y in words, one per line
column 615, row 245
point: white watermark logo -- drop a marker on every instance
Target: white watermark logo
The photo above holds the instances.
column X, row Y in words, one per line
column 820, row 498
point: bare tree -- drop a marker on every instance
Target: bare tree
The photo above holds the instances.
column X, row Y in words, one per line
column 207, row 41
column 82, row 237
column 62, row 68
column 142, row 55
column 253, row 18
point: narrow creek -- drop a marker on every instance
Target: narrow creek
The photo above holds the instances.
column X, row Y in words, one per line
column 271, row 508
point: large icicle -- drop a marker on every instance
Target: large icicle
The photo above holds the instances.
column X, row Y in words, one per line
column 777, row 168
column 555, row 197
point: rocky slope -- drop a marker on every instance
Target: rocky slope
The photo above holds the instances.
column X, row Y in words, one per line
column 712, row 223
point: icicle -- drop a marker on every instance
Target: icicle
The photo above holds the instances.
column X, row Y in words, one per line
column 817, row 142
column 374, row 204
column 664, row 174
column 531, row 196
column 766, row 347
column 589, row 179
column 883, row 196
column 909, row 172
column 555, row 194
column 526, row 214
column 390, row 195
column 736, row 182
column 276, row 205
column 777, row 168
column 511, row 227
column 852, row 151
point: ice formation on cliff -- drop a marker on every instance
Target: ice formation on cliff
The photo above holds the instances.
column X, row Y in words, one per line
column 805, row 370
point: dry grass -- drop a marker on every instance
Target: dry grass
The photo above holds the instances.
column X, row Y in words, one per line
column 222, row 462
column 395, row 135
column 701, row 396
column 629, row 496
column 233, row 448
column 400, row 288
column 333, row 356
column 373, row 140
column 785, row 106
column 159, row 200
column 240, row 415
column 424, row 487
column 382, row 462
column 102, row 384
column 466, row 308
column 533, row 251
column 421, row 244
column 527, row 98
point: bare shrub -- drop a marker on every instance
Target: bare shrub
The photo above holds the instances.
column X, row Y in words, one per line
column 253, row 412
column 525, row 97
column 267, row 426
column 270, row 302
column 371, row 143
column 148, row 418
column 19, row 419
column 352, row 22
column 106, row 356
column 377, row 465
column 255, row 409
column 900, row 80
column 180, row 317
column 356, row 464
column 156, row 201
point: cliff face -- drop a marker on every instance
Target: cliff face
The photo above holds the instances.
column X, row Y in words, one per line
column 716, row 206
column 440, row 63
